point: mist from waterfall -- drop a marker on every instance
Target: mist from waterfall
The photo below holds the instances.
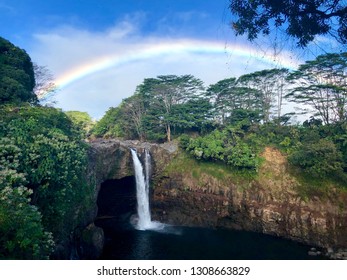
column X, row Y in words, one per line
column 142, row 176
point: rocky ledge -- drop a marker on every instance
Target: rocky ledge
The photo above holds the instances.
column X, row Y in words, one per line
column 111, row 158
column 271, row 203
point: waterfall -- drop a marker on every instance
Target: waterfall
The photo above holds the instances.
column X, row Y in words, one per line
column 142, row 194
column 147, row 169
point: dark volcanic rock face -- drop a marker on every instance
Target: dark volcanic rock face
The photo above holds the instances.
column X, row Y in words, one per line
column 111, row 159
column 269, row 204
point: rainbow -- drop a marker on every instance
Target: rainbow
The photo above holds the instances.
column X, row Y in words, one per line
column 168, row 48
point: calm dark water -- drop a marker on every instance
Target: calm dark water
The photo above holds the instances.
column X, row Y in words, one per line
column 186, row 243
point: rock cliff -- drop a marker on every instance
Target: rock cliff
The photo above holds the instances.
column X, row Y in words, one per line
column 111, row 159
column 186, row 192
column 200, row 194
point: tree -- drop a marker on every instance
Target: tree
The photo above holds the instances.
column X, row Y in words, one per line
column 133, row 112
column 281, row 87
column 270, row 84
column 322, row 85
column 222, row 97
column 195, row 114
column 163, row 94
column 44, row 83
column 319, row 159
column 82, row 120
column 303, row 20
column 232, row 102
column 17, row 78
column 110, row 124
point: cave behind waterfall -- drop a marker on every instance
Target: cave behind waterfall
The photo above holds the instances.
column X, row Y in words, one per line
column 116, row 203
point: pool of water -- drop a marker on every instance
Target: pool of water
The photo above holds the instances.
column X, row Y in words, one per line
column 191, row 243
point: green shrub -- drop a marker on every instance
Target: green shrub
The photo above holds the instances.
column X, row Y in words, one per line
column 319, row 159
column 241, row 156
column 228, row 146
column 42, row 180
column 184, row 141
column 22, row 235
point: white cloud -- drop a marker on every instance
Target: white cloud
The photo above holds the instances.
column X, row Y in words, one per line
column 67, row 48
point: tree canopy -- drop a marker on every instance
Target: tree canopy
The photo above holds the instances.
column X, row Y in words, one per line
column 321, row 84
column 82, row 120
column 302, row 20
column 44, row 83
column 159, row 108
column 17, row 79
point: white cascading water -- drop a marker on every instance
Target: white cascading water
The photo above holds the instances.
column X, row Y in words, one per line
column 147, row 170
column 142, row 193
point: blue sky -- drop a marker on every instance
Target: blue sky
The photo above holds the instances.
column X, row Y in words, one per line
column 22, row 18
column 100, row 50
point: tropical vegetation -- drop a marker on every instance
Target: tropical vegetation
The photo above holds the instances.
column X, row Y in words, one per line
column 43, row 152
column 43, row 187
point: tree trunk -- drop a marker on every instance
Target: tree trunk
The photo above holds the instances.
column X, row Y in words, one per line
column 168, row 132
